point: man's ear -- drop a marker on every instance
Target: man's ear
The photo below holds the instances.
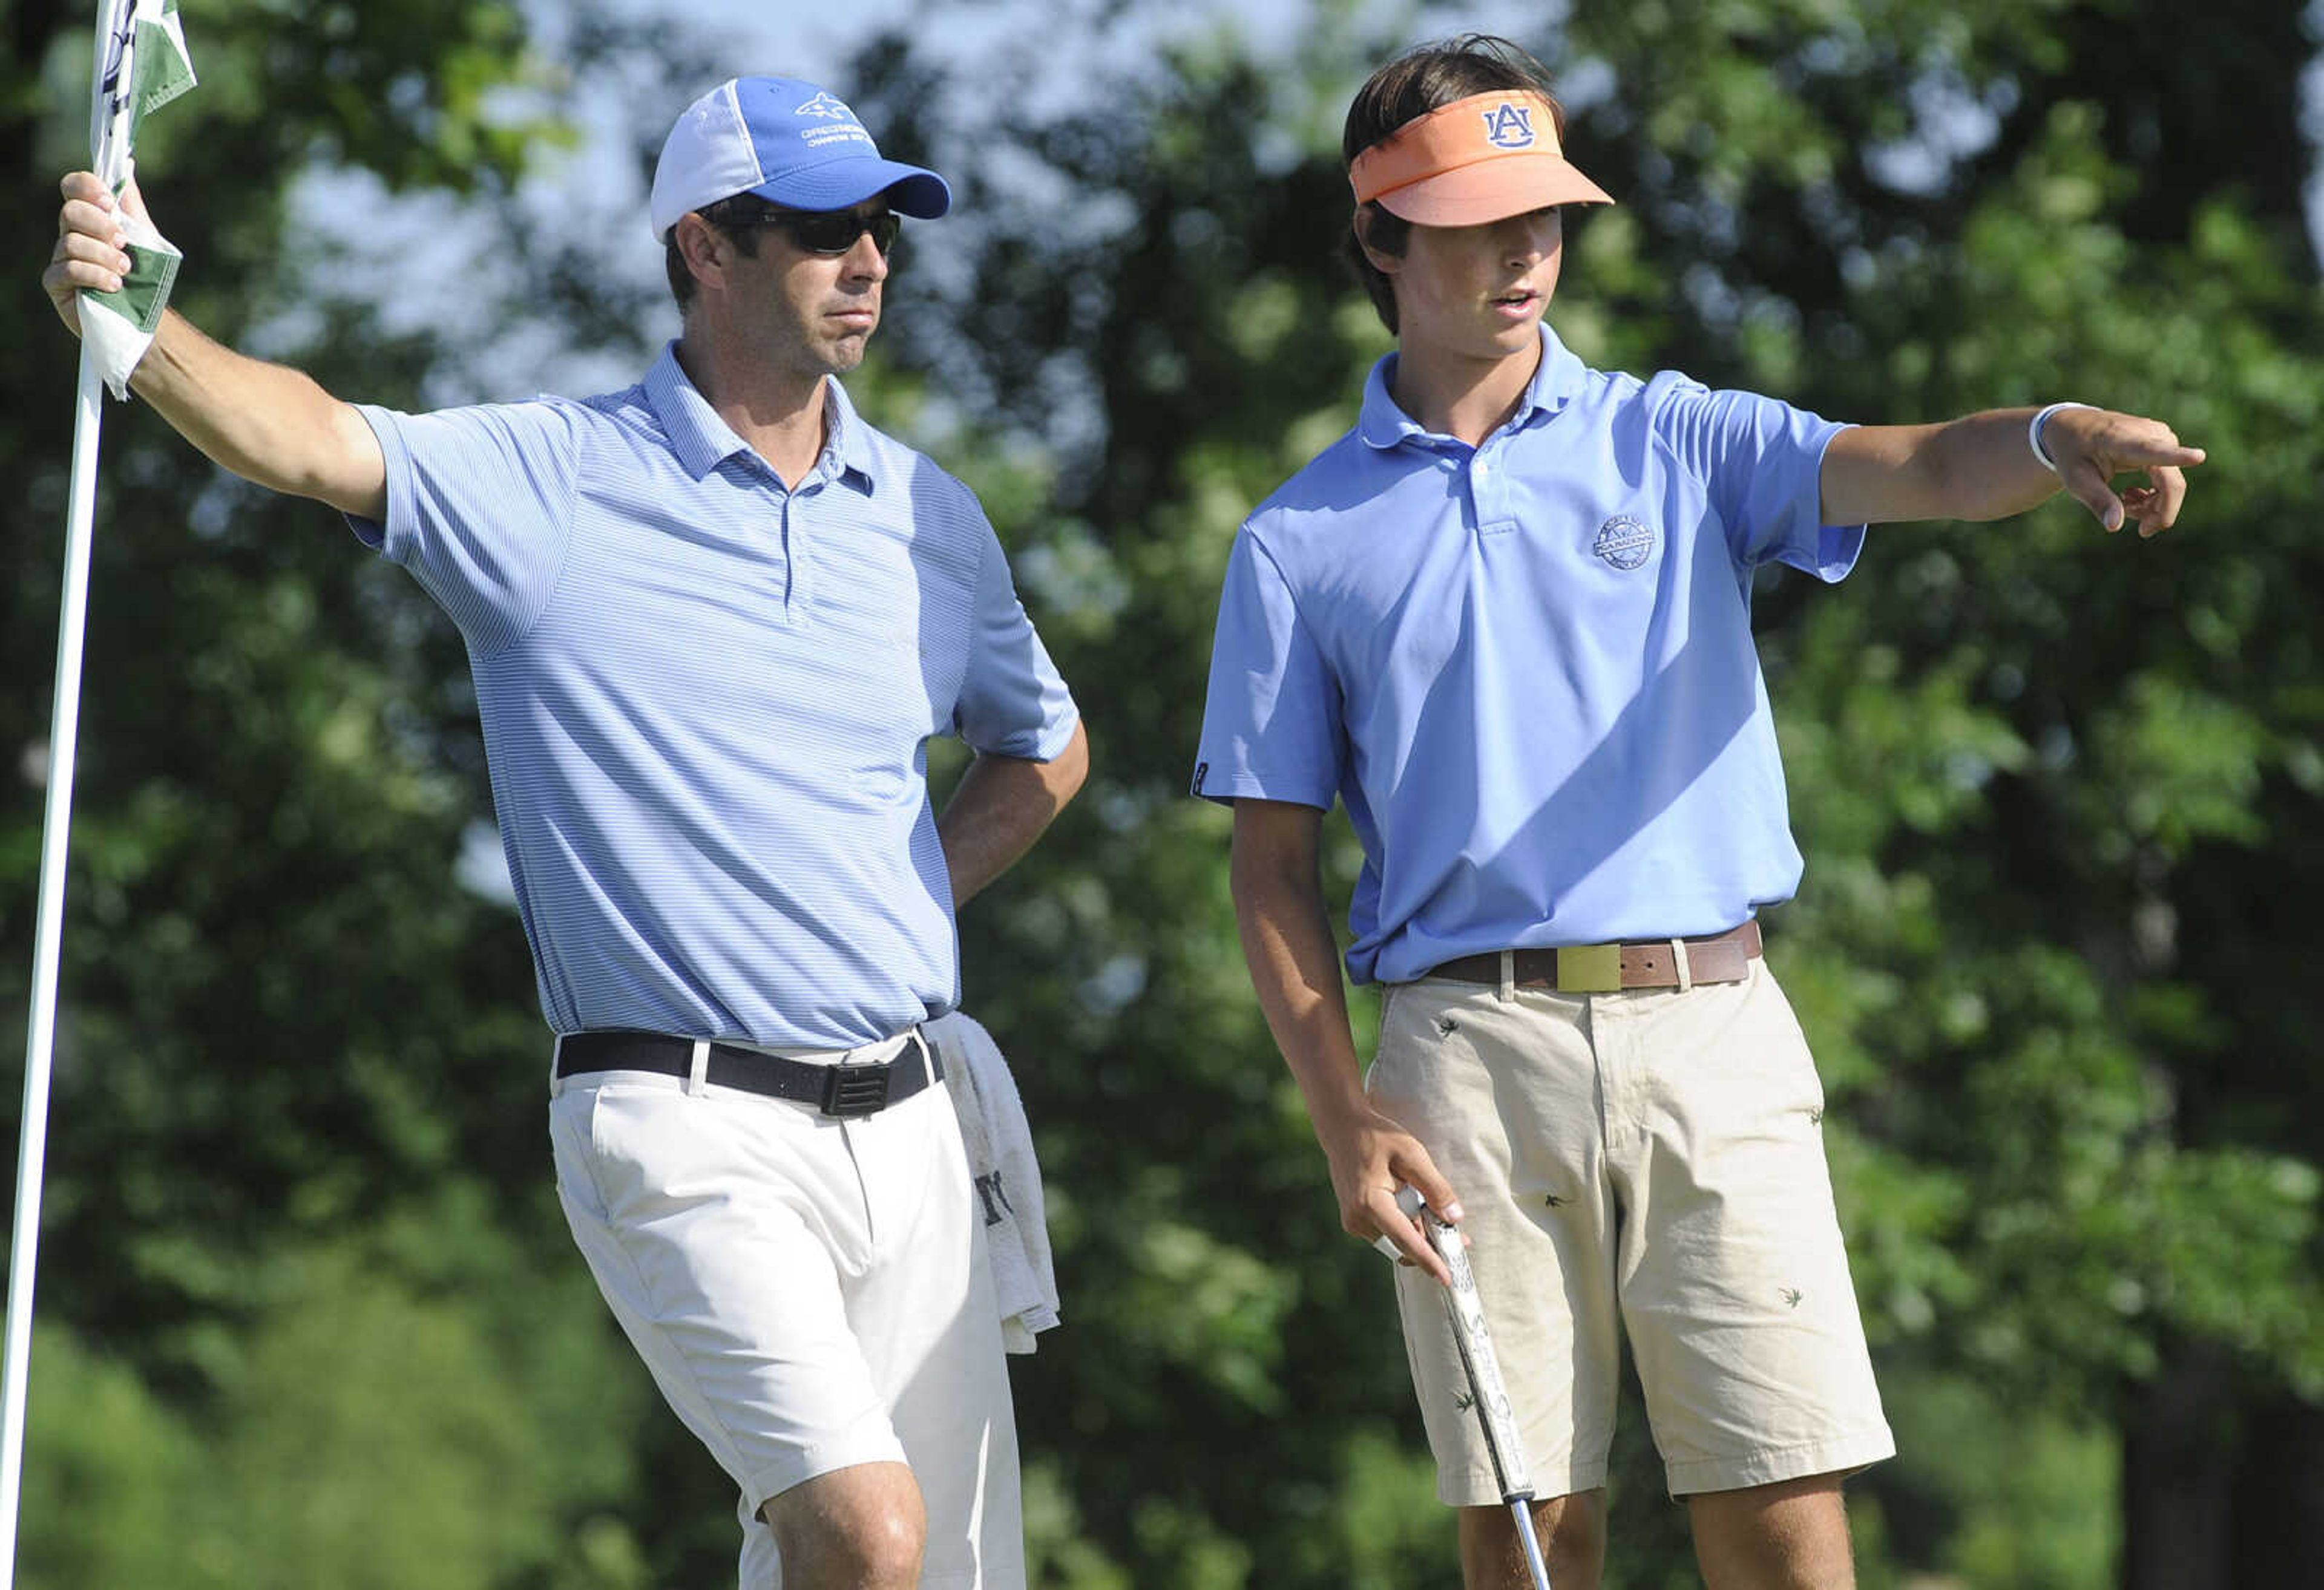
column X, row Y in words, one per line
column 703, row 248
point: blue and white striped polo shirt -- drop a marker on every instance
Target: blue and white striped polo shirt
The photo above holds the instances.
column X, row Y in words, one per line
column 706, row 700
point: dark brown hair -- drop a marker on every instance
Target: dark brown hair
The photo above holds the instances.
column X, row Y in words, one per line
column 1426, row 78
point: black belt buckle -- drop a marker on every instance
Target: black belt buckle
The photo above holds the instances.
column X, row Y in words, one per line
column 856, row 1089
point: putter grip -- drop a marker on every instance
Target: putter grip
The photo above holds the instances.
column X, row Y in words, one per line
column 1476, row 1343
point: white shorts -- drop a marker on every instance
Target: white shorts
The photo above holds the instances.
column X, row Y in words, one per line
column 809, row 1293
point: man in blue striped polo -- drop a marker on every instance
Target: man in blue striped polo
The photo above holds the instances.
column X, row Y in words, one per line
column 713, row 621
column 1506, row 620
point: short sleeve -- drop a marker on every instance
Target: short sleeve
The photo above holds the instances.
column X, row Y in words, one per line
column 1013, row 701
column 1271, row 720
column 479, row 509
column 1761, row 461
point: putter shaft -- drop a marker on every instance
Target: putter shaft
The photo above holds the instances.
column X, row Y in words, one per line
column 1498, row 1420
column 1523, row 1512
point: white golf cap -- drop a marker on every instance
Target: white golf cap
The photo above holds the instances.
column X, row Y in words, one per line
column 787, row 141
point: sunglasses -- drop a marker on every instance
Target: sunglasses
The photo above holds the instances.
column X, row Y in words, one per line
column 830, row 233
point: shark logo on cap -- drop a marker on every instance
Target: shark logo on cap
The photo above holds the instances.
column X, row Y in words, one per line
column 824, row 104
column 1510, row 126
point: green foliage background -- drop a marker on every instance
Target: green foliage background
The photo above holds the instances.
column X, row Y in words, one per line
column 309, row 1315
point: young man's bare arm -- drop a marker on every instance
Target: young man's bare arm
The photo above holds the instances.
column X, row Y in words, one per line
column 1295, row 967
column 1000, row 807
column 1980, row 467
column 264, row 422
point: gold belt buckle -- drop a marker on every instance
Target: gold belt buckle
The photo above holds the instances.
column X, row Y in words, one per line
column 1590, row 969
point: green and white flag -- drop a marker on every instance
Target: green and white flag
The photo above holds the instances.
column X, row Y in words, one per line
column 141, row 65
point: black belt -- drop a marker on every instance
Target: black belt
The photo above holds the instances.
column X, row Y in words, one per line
column 841, row 1090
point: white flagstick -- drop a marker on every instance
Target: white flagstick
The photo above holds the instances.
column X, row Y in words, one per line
column 112, row 117
column 56, row 832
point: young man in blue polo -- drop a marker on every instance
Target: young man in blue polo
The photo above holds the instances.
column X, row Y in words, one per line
column 1506, row 620
column 713, row 621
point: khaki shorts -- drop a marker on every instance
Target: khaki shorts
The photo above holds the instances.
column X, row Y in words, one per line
column 809, row 1293
column 1650, row 1156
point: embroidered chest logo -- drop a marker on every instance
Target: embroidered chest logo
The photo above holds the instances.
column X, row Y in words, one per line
column 1625, row 543
column 1510, row 126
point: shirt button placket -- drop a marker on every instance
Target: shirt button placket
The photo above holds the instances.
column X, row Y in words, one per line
column 794, row 555
column 1486, row 494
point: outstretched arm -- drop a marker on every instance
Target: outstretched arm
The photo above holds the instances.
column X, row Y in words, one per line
column 1286, row 942
column 264, row 422
column 1981, row 467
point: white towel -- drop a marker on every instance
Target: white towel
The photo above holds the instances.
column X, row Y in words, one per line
column 1007, row 1180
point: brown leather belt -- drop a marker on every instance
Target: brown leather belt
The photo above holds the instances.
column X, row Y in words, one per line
column 1603, row 968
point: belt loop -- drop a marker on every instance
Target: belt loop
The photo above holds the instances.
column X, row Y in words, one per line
column 1508, row 976
column 698, row 1077
column 927, row 1055
column 556, row 1053
column 1685, row 967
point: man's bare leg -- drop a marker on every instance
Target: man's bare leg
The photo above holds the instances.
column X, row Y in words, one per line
column 861, row 1528
column 1790, row 1536
column 1573, row 1530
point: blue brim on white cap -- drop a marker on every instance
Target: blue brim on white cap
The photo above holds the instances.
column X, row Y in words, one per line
column 787, row 141
column 912, row 190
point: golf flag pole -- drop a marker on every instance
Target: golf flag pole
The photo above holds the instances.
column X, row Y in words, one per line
column 33, row 1144
column 140, row 63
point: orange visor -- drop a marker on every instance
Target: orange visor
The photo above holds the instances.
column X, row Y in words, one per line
column 1481, row 159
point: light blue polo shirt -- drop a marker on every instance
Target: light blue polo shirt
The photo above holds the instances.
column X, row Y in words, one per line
column 1527, row 667
column 706, row 701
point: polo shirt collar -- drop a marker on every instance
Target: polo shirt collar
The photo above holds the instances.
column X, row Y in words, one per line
column 847, row 447
column 1554, row 382
column 703, row 441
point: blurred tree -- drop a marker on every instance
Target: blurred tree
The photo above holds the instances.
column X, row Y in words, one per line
column 273, row 981
column 2044, row 780
column 296, row 1189
column 356, row 1432
column 2058, row 792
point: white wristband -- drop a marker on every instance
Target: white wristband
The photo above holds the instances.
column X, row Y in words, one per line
column 2033, row 433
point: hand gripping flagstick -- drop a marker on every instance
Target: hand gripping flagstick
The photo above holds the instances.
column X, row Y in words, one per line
column 1488, row 1397
column 141, row 62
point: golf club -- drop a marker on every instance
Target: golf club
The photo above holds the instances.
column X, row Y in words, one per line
column 1487, row 1396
